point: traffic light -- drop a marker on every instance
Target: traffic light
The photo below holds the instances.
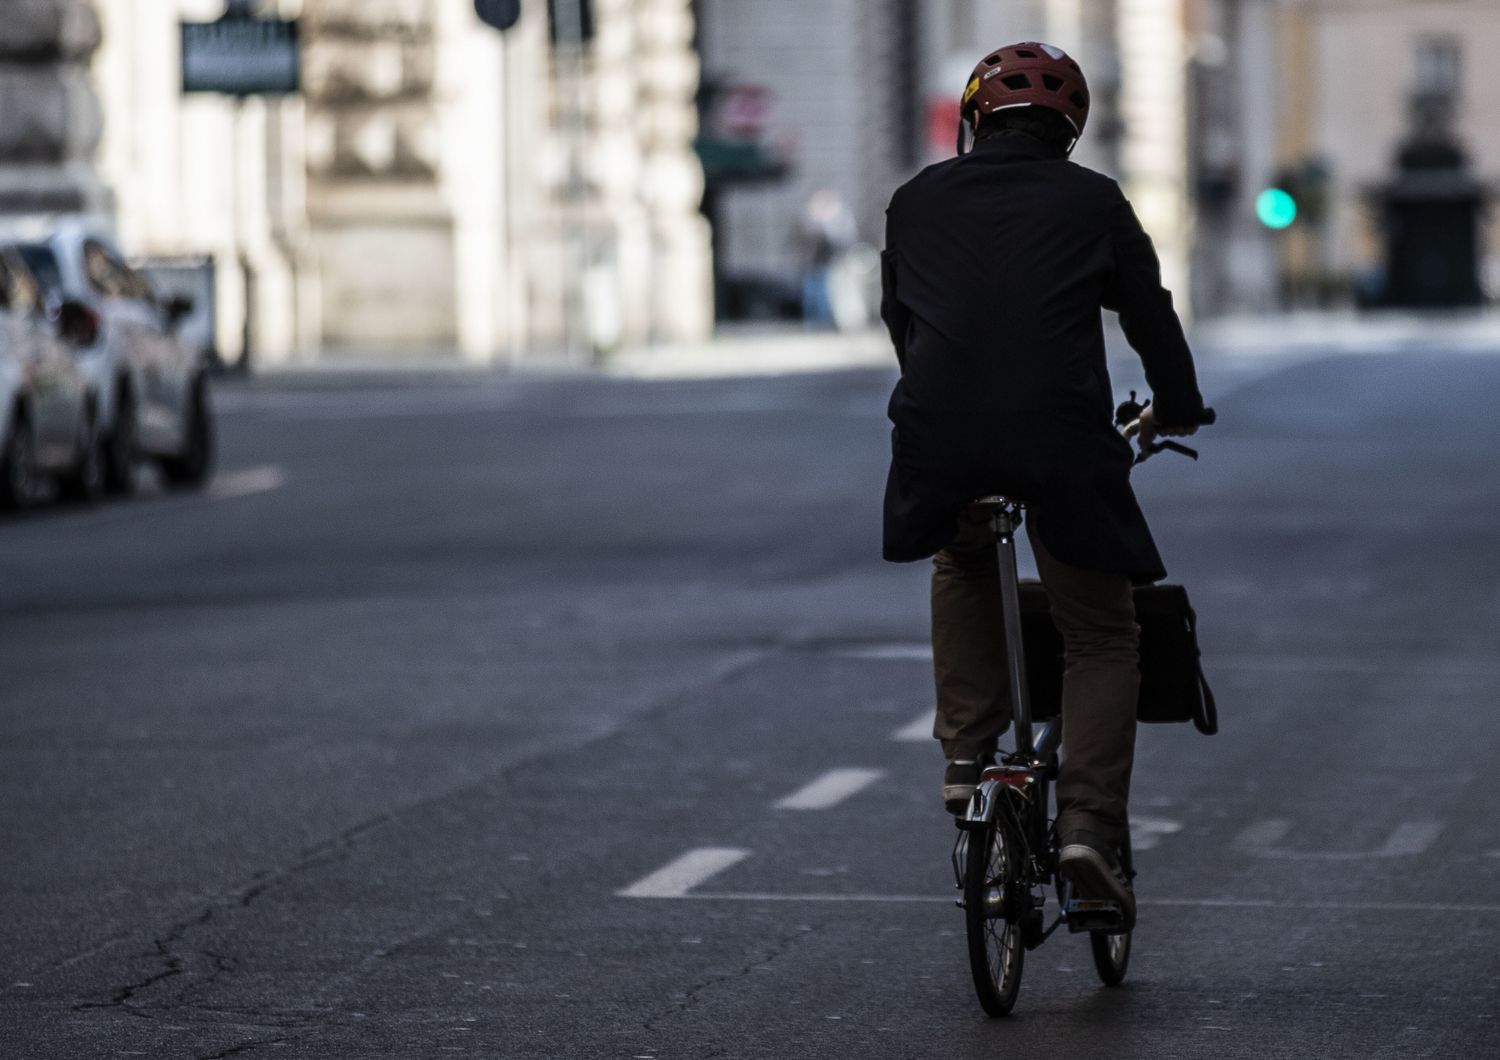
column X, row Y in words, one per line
column 1299, row 193
column 1276, row 208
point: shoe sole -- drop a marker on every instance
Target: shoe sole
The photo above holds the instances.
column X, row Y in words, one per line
column 1092, row 877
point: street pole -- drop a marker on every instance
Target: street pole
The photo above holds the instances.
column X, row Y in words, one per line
column 241, row 9
column 237, row 230
column 513, row 337
column 577, row 264
column 503, row 15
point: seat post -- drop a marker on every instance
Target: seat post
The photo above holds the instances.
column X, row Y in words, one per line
column 1004, row 522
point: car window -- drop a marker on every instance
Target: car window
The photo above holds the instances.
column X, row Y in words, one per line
column 135, row 284
column 111, row 277
column 38, row 257
column 18, row 291
column 102, row 275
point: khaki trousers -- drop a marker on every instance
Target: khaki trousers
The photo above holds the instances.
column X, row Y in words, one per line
column 1095, row 612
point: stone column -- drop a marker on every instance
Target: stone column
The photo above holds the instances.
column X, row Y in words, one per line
column 49, row 116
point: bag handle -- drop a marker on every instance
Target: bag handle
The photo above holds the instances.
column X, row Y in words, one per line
column 1207, row 721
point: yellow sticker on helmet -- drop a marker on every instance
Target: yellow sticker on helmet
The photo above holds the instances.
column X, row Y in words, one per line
column 969, row 92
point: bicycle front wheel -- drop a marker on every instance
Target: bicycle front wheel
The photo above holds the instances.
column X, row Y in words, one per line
column 992, row 879
column 1111, row 956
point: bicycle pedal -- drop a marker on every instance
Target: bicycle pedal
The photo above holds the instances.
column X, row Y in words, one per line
column 1093, row 914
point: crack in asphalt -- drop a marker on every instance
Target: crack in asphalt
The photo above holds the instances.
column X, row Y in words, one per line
column 176, row 960
column 244, row 1047
column 781, row 948
column 169, row 950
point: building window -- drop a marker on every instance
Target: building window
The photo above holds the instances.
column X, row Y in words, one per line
column 571, row 20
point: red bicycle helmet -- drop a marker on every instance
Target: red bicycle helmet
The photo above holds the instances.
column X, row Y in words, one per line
column 1029, row 74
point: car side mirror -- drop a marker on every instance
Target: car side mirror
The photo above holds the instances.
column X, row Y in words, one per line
column 77, row 324
column 178, row 309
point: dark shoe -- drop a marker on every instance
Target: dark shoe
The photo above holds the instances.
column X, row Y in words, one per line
column 1092, row 867
column 959, row 781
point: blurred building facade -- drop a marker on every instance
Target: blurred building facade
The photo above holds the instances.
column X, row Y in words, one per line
column 861, row 93
column 1319, row 95
column 441, row 187
column 50, row 119
column 436, row 187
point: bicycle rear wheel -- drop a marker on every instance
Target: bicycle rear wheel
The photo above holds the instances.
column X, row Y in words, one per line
column 1111, row 956
column 992, row 877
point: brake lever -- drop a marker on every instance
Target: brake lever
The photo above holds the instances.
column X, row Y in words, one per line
column 1161, row 447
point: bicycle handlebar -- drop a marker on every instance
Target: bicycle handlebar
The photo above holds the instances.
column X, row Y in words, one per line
column 1128, row 420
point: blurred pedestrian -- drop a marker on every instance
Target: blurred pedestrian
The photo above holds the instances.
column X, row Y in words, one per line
column 826, row 233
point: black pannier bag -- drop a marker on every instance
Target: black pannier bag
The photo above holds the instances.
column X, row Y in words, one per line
column 1173, row 688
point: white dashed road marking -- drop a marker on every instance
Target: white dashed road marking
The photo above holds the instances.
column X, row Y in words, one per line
column 676, row 879
column 913, row 651
column 246, row 483
column 1409, row 839
column 830, row 789
column 920, row 729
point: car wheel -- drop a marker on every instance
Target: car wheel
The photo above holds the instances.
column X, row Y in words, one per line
column 191, row 468
column 119, row 448
column 84, row 482
column 18, row 478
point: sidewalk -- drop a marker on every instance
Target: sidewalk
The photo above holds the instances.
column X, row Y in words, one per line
column 764, row 350
column 780, row 350
column 1300, row 333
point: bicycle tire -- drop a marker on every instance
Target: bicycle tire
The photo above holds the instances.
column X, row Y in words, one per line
column 996, row 954
column 1111, row 956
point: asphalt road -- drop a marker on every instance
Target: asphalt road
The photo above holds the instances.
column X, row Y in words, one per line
column 575, row 718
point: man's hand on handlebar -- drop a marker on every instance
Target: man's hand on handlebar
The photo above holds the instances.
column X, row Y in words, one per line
column 1138, row 421
column 1151, row 430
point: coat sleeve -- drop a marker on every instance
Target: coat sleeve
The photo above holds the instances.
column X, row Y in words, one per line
column 897, row 316
column 1134, row 290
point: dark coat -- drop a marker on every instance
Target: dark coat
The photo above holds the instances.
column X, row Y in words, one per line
column 996, row 267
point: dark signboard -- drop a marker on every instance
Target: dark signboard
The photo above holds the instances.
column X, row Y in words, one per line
column 241, row 57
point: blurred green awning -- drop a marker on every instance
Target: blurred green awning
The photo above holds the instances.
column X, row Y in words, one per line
column 738, row 162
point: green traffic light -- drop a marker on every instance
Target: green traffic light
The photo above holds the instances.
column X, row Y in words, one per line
column 1276, row 208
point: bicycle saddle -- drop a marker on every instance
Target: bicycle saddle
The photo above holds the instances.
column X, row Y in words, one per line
column 995, row 502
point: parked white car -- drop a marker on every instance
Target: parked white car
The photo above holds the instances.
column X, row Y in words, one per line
column 152, row 391
column 48, row 409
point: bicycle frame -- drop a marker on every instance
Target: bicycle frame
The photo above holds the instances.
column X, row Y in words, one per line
column 1020, row 786
column 1037, row 749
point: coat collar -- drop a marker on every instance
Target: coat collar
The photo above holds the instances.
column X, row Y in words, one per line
column 1014, row 147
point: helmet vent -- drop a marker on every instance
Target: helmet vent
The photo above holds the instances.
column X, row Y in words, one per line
column 1075, row 66
column 1078, row 99
column 1026, row 55
column 1052, row 84
column 1016, row 81
column 993, row 60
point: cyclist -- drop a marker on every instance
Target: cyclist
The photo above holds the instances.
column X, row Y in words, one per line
column 996, row 267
